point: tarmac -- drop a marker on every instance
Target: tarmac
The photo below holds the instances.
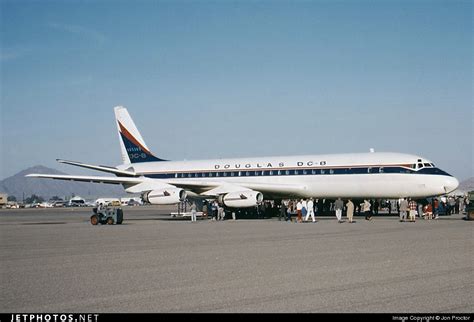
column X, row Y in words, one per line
column 54, row 260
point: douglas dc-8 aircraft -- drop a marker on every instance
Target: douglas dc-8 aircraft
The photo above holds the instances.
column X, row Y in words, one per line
column 245, row 182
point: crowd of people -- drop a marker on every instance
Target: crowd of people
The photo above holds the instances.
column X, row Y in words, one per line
column 408, row 209
column 306, row 210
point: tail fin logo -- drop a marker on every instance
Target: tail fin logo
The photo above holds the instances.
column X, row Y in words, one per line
column 135, row 150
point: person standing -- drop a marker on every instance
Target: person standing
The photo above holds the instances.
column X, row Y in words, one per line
column 320, row 207
column 366, row 209
column 435, row 208
column 461, row 204
column 289, row 210
column 220, row 213
column 310, row 210
column 413, row 207
column 403, row 205
column 304, row 209
column 465, row 205
column 282, row 211
column 204, row 209
column 420, row 210
column 214, row 210
column 299, row 208
column 193, row 212
column 376, row 206
column 338, row 205
column 350, row 210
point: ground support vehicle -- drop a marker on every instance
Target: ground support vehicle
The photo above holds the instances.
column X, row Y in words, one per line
column 108, row 215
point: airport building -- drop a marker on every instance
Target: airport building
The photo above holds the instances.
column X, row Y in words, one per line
column 3, row 199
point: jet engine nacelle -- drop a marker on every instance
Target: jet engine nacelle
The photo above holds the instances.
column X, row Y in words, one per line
column 167, row 196
column 241, row 199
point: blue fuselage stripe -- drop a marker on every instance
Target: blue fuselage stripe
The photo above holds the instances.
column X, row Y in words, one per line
column 291, row 172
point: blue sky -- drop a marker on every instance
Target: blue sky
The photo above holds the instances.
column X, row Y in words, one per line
column 214, row 79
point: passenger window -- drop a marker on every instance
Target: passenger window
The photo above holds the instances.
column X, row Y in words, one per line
column 322, row 171
column 331, row 171
column 287, row 172
column 381, row 170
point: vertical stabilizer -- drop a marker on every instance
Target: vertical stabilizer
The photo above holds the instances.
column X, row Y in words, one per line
column 132, row 145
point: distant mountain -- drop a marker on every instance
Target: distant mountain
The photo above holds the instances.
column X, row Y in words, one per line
column 467, row 185
column 19, row 186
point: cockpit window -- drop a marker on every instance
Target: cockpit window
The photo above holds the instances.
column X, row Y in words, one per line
column 433, row 165
column 420, row 165
column 427, row 165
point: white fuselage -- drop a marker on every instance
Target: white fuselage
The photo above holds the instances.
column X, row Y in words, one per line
column 358, row 175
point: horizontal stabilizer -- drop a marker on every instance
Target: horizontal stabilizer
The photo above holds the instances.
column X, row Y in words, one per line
column 99, row 168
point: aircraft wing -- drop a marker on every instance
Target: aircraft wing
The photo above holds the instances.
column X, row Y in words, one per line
column 131, row 185
column 204, row 188
column 96, row 179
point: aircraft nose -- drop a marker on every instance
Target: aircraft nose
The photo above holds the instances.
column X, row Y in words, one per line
column 450, row 184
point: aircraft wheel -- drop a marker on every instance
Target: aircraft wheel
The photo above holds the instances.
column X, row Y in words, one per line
column 94, row 220
column 110, row 221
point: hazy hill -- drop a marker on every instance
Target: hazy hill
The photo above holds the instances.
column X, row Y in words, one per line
column 467, row 185
column 17, row 185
